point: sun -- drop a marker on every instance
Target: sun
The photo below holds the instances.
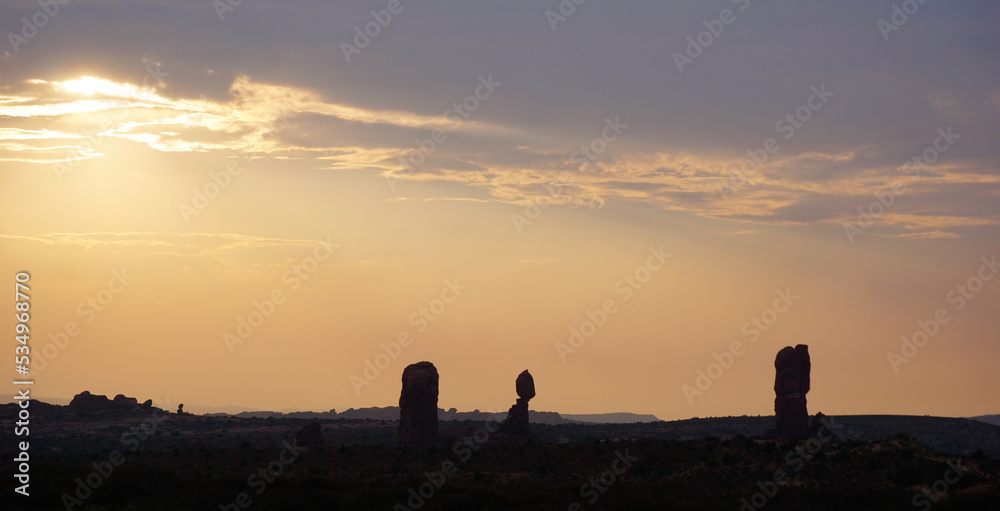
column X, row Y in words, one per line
column 89, row 85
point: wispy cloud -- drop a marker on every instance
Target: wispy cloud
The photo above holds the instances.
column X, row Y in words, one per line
column 205, row 242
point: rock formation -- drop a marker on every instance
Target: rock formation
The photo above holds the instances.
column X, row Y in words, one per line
column 125, row 402
column 310, row 435
column 818, row 422
column 86, row 402
column 791, row 383
column 516, row 423
column 418, row 413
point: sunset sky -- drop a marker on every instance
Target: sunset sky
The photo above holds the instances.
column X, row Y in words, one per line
column 479, row 179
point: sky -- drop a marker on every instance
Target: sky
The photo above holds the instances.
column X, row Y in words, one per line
column 280, row 205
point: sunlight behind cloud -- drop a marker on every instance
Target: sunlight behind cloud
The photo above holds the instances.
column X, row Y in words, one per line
column 509, row 163
column 88, row 85
column 247, row 122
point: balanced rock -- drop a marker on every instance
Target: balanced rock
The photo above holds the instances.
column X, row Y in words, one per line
column 525, row 385
column 310, row 435
column 517, row 423
column 418, row 413
column 791, row 383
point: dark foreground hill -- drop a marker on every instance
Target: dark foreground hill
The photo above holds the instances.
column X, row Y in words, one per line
column 153, row 460
column 949, row 435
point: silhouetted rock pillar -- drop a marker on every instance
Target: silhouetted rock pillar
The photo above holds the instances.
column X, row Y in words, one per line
column 791, row 383
column 516, row 422
column 418, row 420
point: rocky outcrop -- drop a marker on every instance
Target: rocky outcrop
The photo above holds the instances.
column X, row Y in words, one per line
column 516, row 423
column 310, row 435
column 817, row 423
column 418, row 413
column 85, row 402
column 125, row 402
column 791, row 383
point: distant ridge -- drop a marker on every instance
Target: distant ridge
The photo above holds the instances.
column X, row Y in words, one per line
column 610, row 418
column 959, row 436
column 391, row 413
column 989, row 419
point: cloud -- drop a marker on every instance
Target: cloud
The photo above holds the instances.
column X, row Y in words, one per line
column 928, row 235
column 271, row 83
column 203, row 243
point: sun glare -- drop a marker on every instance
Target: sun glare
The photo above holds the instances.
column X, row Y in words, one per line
column 88, row 86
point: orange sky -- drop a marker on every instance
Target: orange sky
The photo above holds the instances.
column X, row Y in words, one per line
column 158, row 203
